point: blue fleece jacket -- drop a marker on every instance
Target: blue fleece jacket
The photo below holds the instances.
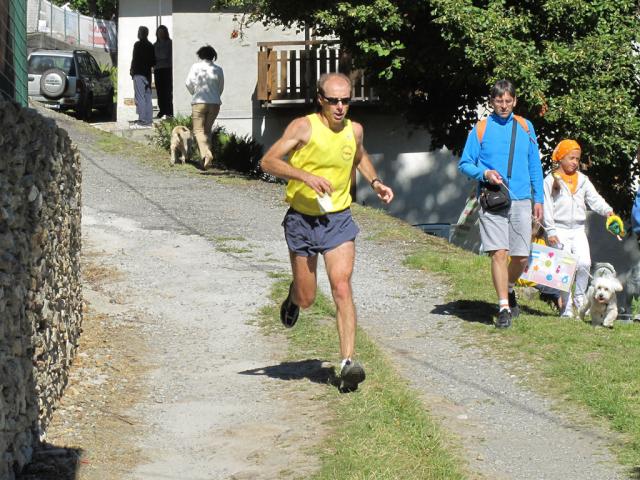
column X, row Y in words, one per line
column 493, row 154
column 635, row 214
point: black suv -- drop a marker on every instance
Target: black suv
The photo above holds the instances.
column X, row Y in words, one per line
column 70, row 79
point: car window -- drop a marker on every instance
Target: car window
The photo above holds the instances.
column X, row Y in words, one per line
column 95, row 66
column 86, row 66
column 38, row 64
column 69, row 66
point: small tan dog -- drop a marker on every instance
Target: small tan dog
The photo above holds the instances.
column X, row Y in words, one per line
column 181, row 144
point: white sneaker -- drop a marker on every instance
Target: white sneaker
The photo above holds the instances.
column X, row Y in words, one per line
column 139, row 126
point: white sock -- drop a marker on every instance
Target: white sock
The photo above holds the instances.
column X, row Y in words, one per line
column 344, row 362
column 503, row 304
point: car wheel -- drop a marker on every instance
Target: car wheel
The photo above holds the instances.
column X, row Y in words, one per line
column 53, row 83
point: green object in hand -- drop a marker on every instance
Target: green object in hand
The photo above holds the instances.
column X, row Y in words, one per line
column 615, row 226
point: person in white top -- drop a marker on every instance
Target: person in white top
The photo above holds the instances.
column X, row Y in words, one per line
column 205, row 83
column 567, row 193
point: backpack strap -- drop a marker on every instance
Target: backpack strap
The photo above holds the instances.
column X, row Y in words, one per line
column 481, row 126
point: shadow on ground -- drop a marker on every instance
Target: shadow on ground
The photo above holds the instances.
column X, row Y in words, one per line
column 50, row 462
column 479, row 311
column 313, row 369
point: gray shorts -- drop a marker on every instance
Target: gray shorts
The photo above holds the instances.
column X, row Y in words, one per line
column 308, row 235
column 508, row 230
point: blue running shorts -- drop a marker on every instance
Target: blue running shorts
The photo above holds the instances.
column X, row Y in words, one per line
column 308, row 235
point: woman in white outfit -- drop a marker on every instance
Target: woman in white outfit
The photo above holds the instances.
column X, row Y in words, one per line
column 205, row 83
column 567, row 193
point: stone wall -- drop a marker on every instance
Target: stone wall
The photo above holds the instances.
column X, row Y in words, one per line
column 40, row 290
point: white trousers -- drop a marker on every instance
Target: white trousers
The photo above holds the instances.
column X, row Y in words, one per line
column 575, row 241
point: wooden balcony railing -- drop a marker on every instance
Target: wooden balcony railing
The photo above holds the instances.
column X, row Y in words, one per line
column 288, row 71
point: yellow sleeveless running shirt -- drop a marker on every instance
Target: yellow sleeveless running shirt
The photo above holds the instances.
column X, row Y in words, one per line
column 329, row 155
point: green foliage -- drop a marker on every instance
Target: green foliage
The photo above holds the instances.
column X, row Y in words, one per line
column 113, row 75
column 575, row 64
column 94, row 8
column 231, row 151
column 240, row 153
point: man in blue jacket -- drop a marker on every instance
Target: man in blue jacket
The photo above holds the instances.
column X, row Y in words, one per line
column 485, row 158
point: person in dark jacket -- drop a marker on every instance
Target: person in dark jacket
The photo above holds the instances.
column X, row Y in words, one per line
column 162, row 72
column 142, row 60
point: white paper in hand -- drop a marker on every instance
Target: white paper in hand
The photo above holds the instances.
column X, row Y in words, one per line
column 325, row 203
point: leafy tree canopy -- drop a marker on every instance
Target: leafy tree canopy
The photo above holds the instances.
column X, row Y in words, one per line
column 576, row 64
column 95, row 8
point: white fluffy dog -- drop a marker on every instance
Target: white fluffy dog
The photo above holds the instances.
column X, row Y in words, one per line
column 601, row 301
column 181, row 144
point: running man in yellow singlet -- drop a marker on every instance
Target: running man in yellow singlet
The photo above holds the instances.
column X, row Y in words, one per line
column 322, row 150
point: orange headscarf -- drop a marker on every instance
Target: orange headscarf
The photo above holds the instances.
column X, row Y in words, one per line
column 564, row 147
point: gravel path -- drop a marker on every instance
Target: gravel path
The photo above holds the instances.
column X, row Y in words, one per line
column 507, row 430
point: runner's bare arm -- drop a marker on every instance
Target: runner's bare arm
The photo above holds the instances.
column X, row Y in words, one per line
column 366, row 168
column 274, row 162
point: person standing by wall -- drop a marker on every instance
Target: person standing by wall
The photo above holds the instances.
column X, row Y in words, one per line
column 205, row 83
column 162, row 72
column 142, row 60
column 485, row 158
column 317, row 155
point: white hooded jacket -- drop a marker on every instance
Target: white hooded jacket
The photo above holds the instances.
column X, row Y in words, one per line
column 205, row 83
column 565, row 210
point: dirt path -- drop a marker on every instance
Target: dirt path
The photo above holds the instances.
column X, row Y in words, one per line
column 204, row 418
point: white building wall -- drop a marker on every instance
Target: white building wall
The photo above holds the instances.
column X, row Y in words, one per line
column 237, row 57
column 426, row 183
column 133, row 14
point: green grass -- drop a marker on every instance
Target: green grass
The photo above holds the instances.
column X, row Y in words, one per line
column 223, row 246
column 237, row 238
column 228, row 249
column 380, row 431
column 588, row 367
column 115, row 145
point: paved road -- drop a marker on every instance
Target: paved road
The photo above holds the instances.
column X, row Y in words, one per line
column 507, row 430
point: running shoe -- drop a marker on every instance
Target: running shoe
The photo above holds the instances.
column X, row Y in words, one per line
column 504, row 319
column 351, row 375
column 289, row 311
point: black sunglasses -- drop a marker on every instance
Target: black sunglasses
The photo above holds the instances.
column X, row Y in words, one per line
column 336, row 100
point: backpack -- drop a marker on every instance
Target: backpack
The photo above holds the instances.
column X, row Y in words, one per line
column 481, row 126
